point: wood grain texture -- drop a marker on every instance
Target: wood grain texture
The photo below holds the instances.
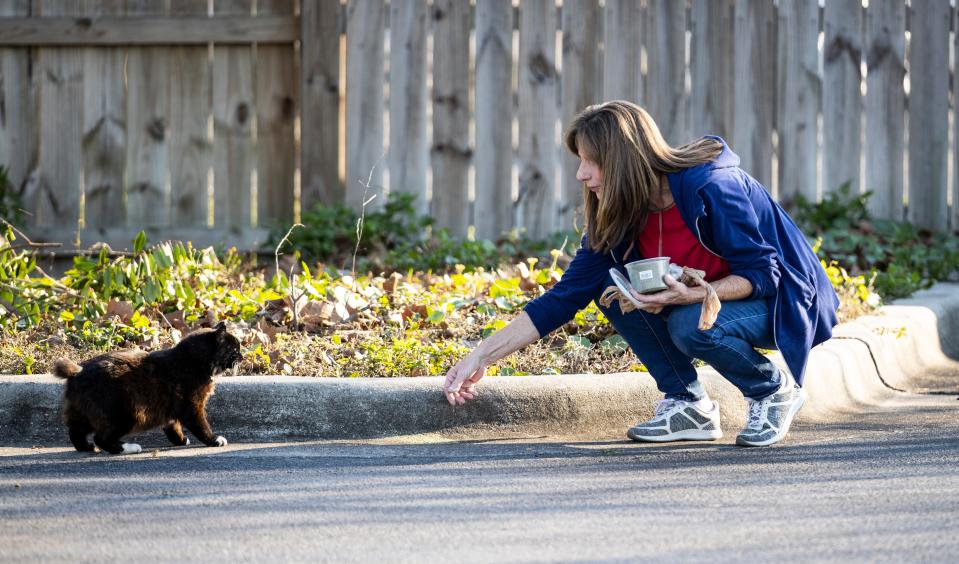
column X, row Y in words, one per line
column 450, row 153
column 19, row 120
column 754, row 85
column 711, row 56
column 104, row 127
column 800, row 87
column 320, row 104
column 190, row 145
column 666, row 98
column 148, row 119
column 885, row 108
column 538, row 111
column 929, row 114
column 409, row 143
column 365, row 25
column 277, row 102
column 842, row 94
column 493, row 206
column 623, row 42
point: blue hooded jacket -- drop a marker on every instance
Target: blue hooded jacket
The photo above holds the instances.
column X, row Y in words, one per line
column 734, row 217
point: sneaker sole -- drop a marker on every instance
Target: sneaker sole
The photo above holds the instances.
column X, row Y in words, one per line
column 785, row 428
column 684, row 435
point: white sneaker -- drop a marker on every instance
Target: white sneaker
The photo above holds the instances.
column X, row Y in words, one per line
column 769, row 418
column 678, row 420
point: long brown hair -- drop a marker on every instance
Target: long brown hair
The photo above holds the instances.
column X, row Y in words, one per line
column 631, row 152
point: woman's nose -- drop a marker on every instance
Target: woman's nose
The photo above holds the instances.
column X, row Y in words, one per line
column 581, row 174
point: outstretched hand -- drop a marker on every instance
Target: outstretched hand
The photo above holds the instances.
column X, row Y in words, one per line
column 461, row 380
column 676, row 293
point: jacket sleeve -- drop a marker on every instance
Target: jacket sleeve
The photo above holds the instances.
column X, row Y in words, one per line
column 738, row 237
column 580, row 284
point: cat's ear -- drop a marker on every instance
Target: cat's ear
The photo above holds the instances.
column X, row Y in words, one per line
column 220, row 327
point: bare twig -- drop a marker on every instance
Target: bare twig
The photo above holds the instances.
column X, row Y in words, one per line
column 359, row 222
column 290, row 277
column 28, row 243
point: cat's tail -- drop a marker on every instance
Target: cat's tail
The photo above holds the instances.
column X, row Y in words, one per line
column 66, row 368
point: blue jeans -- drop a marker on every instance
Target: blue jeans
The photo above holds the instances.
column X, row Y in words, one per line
column 667, row 342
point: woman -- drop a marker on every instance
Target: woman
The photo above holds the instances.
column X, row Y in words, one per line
column 694, row 204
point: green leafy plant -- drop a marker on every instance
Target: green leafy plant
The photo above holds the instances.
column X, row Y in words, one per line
column 10, row 205
column 898, row 257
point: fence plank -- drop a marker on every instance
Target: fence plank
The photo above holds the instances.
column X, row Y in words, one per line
column 799, row 86
column 493, row 206
column 622, row 42
column 88, row 32
column 667, row 100
column 710, row 61
column 191, row 148
column 320, row 104
column 104, row 128
column 929, row 114
column 582, row 69
column 954, row 225
column 232, row 127
column 365, row 24
column 537, row 117
column 754, row 65
column 842, row 94
column 409, row 145
column 55, row 198
column 450, row 153
column 18, row 120
column 148, row 128
column 277, row 100
column 885, row 107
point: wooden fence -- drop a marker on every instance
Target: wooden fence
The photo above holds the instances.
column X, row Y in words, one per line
column 211, row 120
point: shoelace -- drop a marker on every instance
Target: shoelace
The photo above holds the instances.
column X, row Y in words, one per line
column 755, row 414
column 664, row 405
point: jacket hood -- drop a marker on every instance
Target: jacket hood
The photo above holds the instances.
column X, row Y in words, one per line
column 727, row 158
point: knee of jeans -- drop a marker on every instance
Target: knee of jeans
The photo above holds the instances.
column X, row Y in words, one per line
column 684, row 331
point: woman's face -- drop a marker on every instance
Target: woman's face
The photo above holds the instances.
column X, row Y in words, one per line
column 590, row 173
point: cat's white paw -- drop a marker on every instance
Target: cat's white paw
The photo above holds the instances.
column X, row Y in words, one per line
column 131, row 448
column 186, row 441
column 220, row 440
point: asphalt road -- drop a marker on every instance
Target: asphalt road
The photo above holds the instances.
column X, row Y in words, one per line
column 881, row 486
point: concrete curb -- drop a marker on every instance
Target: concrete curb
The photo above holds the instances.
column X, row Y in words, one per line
column 869, row 361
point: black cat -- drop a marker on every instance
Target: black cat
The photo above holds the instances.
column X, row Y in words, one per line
column 124, row 392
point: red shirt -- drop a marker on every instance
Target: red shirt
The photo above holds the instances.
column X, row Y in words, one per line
column 666, row 235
